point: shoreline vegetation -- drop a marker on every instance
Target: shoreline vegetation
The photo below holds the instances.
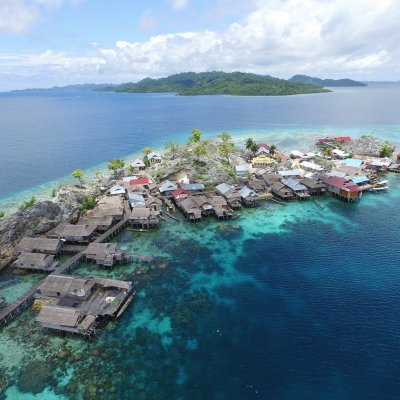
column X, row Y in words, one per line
column 209, row 162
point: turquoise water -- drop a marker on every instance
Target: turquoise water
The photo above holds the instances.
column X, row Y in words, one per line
column 286, row 302
column 62, row 131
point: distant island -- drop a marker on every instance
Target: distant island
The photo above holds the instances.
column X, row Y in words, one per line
column 204, row 83
column 214, row 83
column 305, row 79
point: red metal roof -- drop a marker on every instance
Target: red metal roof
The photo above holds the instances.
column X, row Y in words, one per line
column 178, row 192
column 352, row 187
column 342, row 139
column 335, row 181
column 139, row 181
column 263, row 145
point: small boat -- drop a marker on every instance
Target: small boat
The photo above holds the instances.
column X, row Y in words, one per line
column 379, row 189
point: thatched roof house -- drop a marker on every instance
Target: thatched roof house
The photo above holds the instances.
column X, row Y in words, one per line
column 73, row 233
column 39, row 245
column 103, row 254
column 36, row 262
column 79, row 303
column 190, row 208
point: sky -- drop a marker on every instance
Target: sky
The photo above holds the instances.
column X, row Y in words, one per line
column 58, row 42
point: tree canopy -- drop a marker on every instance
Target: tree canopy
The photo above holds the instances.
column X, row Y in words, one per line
column 251, row 145
column 386, row 151
column 195, row 136
column 78, row 174
column 147, row 150
column 217, row 82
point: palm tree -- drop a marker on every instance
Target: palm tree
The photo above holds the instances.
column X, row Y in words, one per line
column 272, row 150
column 250, row 144
column 326, row 151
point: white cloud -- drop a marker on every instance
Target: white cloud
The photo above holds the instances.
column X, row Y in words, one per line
column 179, row 5
column 281, row 38
column 19, row 16
column 16, row 16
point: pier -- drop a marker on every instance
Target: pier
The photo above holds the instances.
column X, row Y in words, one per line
column 14, row 309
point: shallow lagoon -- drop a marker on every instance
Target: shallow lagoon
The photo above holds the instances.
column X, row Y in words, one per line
column 286, row 302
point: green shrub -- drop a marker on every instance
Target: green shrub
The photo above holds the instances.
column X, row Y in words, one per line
column 28, row 203
column 2, row 214
column 53, row 193
column 88, row 203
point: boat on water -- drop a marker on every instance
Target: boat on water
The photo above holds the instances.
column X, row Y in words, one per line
column 379, row 187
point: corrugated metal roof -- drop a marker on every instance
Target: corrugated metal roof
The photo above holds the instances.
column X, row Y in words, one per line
column 359, row 179
column 192, row 186
column 352, row 162
column 294, row 185
column 247, row 192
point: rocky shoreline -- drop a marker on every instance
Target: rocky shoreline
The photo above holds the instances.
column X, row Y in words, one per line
column 207, row 161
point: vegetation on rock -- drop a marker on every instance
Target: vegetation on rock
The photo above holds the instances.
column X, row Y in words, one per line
column 28, row 203
column 78, row 174
column 386, row 150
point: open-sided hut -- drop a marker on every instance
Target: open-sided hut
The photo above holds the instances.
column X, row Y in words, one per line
column 299, row 190
column 104, row 254
column 36, row 262
column 78, row 304
column 314, row 187
column 144, row 218
column 249, row 197
column 282, row 191
column 231, row 195
column 39, row 245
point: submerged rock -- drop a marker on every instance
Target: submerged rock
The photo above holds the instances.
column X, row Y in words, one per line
column 35, row 377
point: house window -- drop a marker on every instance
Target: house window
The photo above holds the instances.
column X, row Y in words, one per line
column 58, row 294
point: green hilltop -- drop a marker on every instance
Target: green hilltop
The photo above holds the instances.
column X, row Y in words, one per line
column 218, row 83
column 326, row 82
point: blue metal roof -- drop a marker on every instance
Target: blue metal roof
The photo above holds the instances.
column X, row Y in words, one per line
column 359, row 179
column 352, row 162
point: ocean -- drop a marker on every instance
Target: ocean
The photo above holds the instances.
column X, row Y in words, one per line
column 46, row 135
column 285, row 303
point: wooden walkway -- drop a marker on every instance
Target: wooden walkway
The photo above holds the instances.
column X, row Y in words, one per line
column 15, row 308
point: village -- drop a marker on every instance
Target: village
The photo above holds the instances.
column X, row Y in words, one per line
column 141, row 200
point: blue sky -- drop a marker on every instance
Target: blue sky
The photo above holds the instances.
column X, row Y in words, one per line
column 56, row 42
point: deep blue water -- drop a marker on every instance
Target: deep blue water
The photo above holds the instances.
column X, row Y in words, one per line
column 46, row 135
column 284, row 303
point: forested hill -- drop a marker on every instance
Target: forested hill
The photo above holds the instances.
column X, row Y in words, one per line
column 208, row 83
column 326, row 82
